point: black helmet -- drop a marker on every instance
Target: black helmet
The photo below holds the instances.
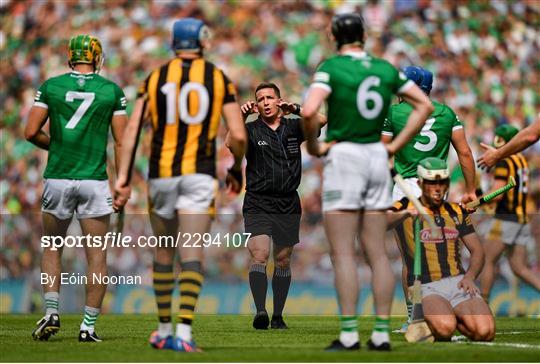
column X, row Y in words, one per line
column 348, row 28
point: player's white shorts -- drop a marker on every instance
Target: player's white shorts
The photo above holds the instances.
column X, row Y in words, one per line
column 398, row 194
column 356, row 176
column 85, row 198
column 447, row 288
column 193, row 193
column 509, row 232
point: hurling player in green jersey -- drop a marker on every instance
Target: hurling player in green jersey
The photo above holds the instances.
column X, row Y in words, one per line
column 356, row 182
column 81, row 107
column 442, row 128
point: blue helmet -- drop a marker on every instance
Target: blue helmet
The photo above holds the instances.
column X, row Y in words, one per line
column 187, row 34
column 422, row 77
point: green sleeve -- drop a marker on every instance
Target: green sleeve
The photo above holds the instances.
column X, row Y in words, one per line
column 120, row 101
column 456, row 123
column 322, row 77
column 42, row 98
column 387, row 125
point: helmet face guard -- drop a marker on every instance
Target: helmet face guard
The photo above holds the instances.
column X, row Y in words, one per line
column 348, row 29
column 187, row 35
column 85, row 49
column 421, row 76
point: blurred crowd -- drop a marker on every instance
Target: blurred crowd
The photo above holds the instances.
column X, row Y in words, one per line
column 485, row 56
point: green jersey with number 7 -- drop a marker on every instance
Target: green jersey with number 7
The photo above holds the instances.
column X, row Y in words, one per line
column 433, row 141
column 361, row 90
column 80, row 107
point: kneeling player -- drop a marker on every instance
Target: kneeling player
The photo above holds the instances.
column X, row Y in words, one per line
column 450, row 298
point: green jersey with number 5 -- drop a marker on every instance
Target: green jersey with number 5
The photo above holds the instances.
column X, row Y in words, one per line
column 361, row 90
column 80, row 108
column 433, row 140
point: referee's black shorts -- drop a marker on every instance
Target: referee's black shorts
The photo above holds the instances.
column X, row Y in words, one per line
column 277, row 216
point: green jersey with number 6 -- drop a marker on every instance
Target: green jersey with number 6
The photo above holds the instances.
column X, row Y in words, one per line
column 361, row 90
column 80, row 108
column 433, row 140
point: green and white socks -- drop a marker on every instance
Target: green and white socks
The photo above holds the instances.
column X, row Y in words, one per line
column 349, row 330
column 51, row 303
column 409, row 311
column 90, row 316
column 380, row 333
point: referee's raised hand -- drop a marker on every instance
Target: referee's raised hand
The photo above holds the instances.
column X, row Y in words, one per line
column 249, row 108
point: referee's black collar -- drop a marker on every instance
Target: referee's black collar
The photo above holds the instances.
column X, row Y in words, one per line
column 282, row 121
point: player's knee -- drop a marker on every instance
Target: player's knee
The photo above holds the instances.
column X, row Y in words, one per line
column 443, row 328
column 338, row 257
column 484, row 332
column 97, row 261
column 259, row 257
column 283, row 262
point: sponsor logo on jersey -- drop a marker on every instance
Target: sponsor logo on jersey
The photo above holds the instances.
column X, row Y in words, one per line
column 262, row 142
column 449, row 233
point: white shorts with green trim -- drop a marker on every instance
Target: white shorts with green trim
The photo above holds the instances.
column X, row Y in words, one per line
column 356, row 176
column 86, row 198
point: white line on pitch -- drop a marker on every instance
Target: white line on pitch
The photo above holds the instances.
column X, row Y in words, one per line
column 511, row 345
column 511, row 333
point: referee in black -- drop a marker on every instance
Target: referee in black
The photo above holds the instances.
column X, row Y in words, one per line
column 272, row 208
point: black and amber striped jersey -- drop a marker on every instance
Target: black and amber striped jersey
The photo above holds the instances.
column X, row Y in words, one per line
column 513, row 206
column 185, row 98
column 440, row 256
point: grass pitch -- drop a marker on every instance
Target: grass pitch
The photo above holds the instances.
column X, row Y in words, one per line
column 230, row 338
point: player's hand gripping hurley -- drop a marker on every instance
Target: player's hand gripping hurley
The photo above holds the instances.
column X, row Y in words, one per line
column 490, row 196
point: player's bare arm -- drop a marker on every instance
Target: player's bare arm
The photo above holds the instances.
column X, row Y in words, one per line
column 466, row 160
column 522, row 140
column 296, row 109
column 422, row 108
column 118, row 125
column 311, row 124
column 395, row 218
column 33, row 133
column 476, row 263
column 236, row 141
column 122, row 190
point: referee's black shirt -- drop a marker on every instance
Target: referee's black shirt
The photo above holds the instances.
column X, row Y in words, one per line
column 274, row 164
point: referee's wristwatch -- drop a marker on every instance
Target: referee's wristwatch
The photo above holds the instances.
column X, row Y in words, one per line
column 297, row 109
